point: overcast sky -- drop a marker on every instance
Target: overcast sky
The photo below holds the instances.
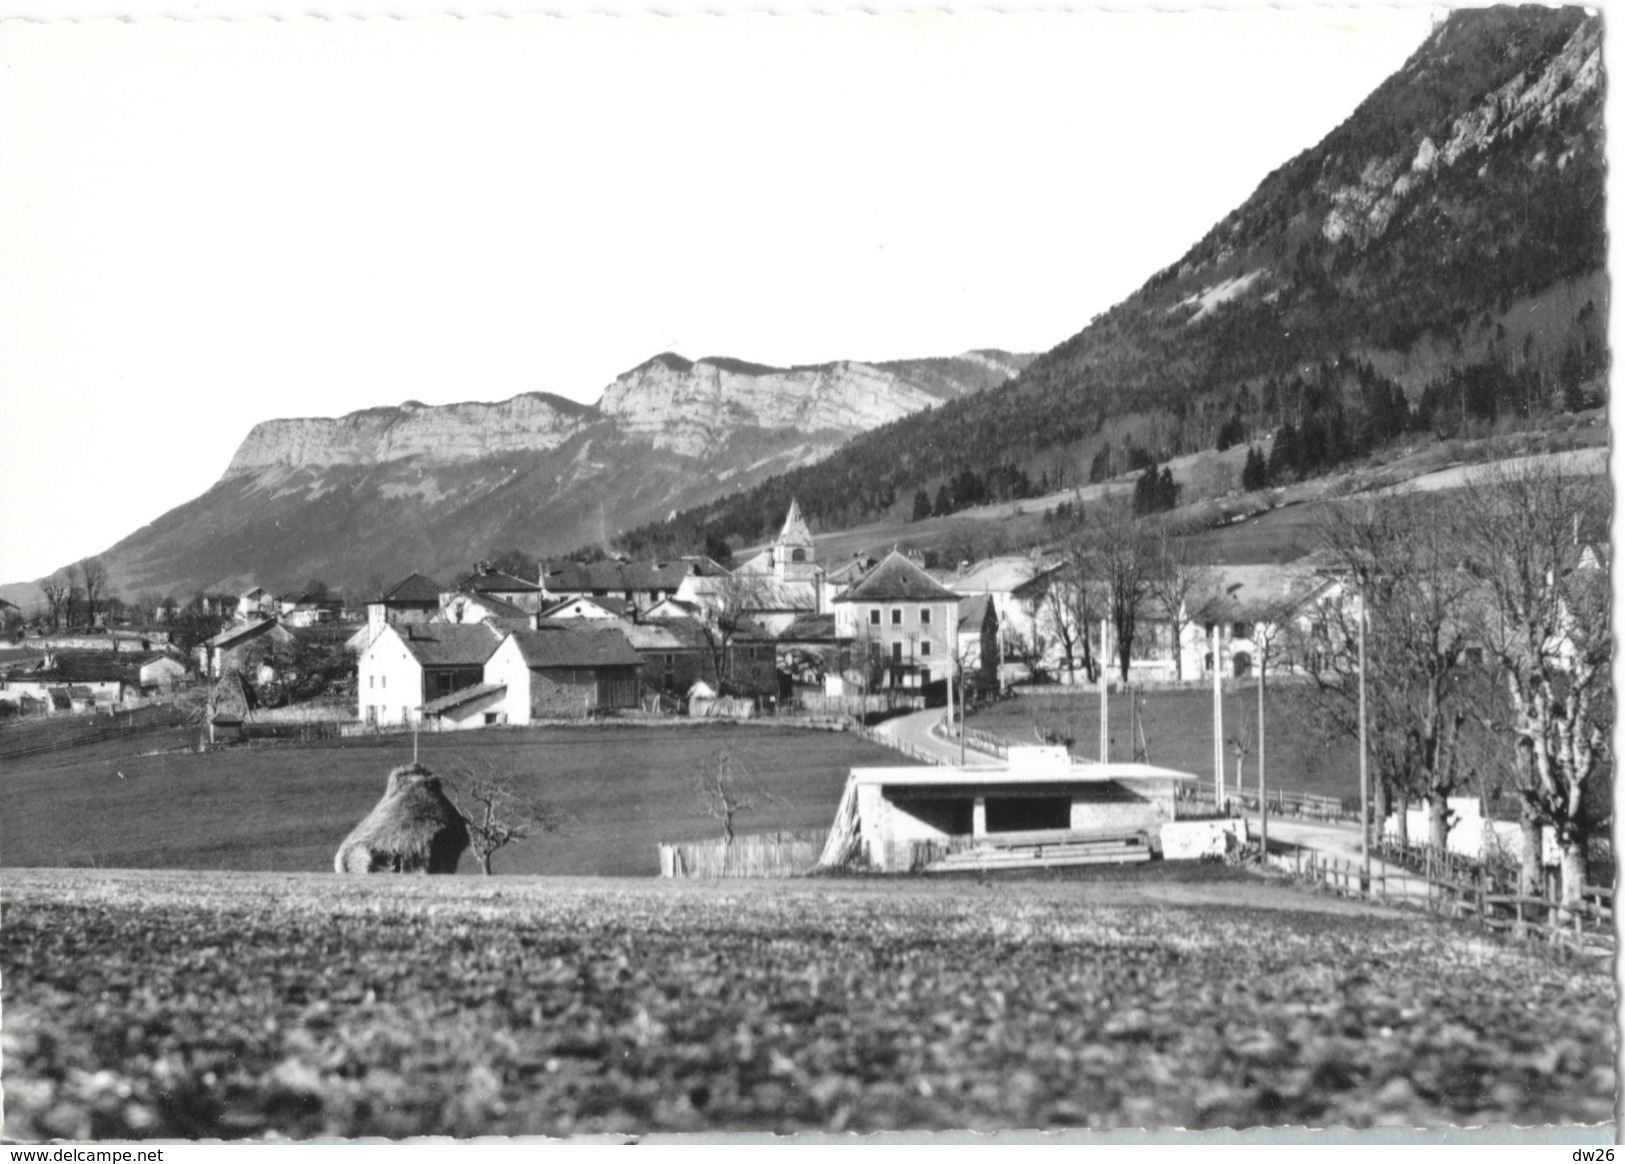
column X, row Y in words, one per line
column 204, row 225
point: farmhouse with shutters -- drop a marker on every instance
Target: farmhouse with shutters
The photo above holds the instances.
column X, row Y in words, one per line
column 903, row 623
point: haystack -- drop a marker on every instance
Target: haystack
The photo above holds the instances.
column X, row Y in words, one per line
column 415, row 828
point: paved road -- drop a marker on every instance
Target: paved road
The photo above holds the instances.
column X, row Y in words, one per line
column 915, row 729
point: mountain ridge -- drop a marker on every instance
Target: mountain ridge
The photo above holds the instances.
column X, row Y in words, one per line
column 385, row 490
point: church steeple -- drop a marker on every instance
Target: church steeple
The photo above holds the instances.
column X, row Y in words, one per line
column 793, row 549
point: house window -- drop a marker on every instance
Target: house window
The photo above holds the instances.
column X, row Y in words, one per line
column 896, row 616
column 897, row 652
column 383, row 680
column 925, row 616
column 925, row 676
column 874, row 616
column 798, row 555
column 370, row 680
column 1242, row 630
column 925, row 650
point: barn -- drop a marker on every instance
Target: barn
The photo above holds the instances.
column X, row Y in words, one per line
column 555, row 673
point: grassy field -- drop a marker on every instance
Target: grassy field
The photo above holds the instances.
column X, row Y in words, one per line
column 287, row 806
column 178, row 1005
column 1179, row 734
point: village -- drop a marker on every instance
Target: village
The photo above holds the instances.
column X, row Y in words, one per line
column 592, row 638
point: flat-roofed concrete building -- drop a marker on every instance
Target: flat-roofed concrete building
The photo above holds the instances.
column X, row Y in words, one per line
column 898, row 819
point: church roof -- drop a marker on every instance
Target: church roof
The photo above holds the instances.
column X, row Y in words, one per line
column 795, row 531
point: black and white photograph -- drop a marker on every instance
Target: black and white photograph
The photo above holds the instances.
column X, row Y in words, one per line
column 796, row 575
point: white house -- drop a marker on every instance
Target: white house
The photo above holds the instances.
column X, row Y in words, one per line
column 903, row 622
column 409, row 665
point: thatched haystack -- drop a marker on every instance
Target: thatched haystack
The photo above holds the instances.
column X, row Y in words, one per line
column 415, row 828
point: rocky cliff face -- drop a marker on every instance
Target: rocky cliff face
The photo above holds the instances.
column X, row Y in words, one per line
column 364, row 499
column 534, row 422
column 692, row 408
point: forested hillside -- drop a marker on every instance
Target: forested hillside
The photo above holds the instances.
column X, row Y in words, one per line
column 1434, row 265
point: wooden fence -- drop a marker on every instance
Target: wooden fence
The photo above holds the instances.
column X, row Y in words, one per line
column 898, row 745
column 1282, row 802
column 120, row 727
column 985, row 742
column 755, row 855
column 1452, row 891
column 857, row 706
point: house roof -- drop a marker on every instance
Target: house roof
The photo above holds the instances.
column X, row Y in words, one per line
column 1261, row 591
column 241, row 633
column 461, row 696
column 446, row 644
column 897, row 579
column 413, row 588
column 668, row 608
column 559, row 647
column 615, row 606
column 496, row 582
column 973, row 610
column 497, row 606
column 1004, row 574
column 810, row 628
column 619, row 577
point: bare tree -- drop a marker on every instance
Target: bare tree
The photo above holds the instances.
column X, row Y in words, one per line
column 1073, row 602
column 1539, row 552
column 1119, row 556
column 1181, row 582
column 1401, row 559
column 728, row 602
column 725, row 790
column 497, row 813
column 76, row 592
column 93, row 578
column 56, row 589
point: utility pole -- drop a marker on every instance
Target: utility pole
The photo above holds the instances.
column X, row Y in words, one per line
column 1105, row 721
column 1218, row 724
column 1263, row 804
column 1365, row 785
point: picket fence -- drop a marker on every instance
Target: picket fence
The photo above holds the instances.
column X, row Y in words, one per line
column 752, row 855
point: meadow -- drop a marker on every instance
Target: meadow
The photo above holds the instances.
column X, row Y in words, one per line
column 179, row 1005
column 1178, row 728
column 286, row 806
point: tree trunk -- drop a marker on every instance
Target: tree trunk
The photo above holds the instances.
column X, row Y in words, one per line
column 1438, row 821
column 1402, row 817
column 485, row 864
column 1379, row 813
column 1574, row 873
column 1529, row 870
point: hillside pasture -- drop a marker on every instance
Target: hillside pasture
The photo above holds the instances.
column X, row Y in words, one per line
column 183, row 1005
column 287, row 806
column 1178, row 727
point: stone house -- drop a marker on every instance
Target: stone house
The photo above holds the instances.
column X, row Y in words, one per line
column 237, row 645
column 488, row 582
column 642, row 584
column 559, row 673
